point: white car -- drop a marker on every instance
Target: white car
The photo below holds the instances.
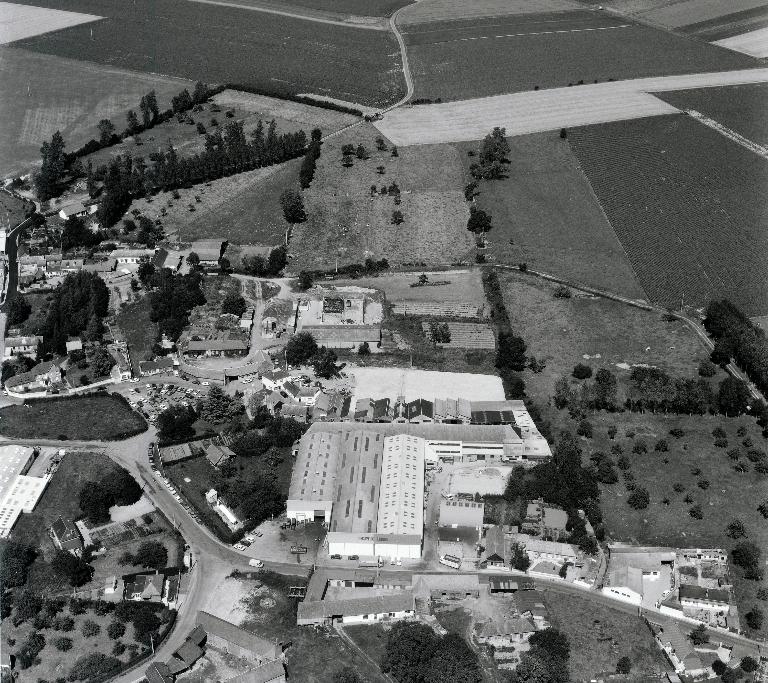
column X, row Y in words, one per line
column 239, row 546
column 256, row 563
column 247, row 380
column 205, row 384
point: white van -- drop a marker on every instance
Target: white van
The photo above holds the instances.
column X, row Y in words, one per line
column 450, row 561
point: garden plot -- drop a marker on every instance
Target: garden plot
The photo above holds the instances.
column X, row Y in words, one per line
column 21, row 21
column 446, row 309
column 465, row 335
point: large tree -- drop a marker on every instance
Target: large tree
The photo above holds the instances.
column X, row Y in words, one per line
column 300, row 348
column 175, row 422
column 218, row 407
column 293, row 206
column 409, row 651
column 233, row 304
column 324, row 363
column 52, row 170
column 454, row 660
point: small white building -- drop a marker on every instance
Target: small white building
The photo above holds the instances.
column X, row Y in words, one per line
column 131, row 256
column 273, row 380
column 372, row 610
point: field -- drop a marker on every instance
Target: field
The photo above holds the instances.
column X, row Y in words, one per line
column 752, row 43
column 253, row 49
column 20, row 21
column 140, row 332
column 244, row 208
column 739, row 107
column 592, row 330
column 448, row 10
column 95, row 417
column 347, row 223
column 600, row 636
column 12, row 210
column 46, row 94
column 545, row 214
column 680, row 197
column 452, row 61
column 359, row 8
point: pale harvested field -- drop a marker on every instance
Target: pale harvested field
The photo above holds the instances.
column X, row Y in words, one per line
column 754, row 43
column 461, row 285
column 694, row 11
column 386, row 382
column 345, row 222
column 446, row 10
column 306, row 115
column 538, row 111
column 42, row 94
column 21, row 21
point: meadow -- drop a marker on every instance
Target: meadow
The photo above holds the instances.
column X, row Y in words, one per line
column 545, row 214
column 738, row 107
column 347, row 222
column 45, row 93
column 450, row 10
column 275, row 53
column 364, row 8
column 451, row 61
column 94, row 417
column 681, row 198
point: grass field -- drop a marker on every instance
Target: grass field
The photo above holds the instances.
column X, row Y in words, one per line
column 140, row 332
column 447, row 10
column 545, row 214
column 22, row 21
column 345, row 222
column 563, row 331
column 681, row 198
column 254, row 49
column 450, row 61
column 95, row 417
column 12, row 210
column 243, row 208
column 600, row 636
column 47, row 93
column 39, row 303
column 739, row 107
column 365, row 8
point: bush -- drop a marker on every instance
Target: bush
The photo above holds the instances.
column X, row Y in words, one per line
column 90, row 629
column 640, row 447
column 584, row 428
column 63, row 643
column 678, row 488
column 116, row 630
column 661, row 446
column 612, row 432
column 639, row 498
column 721, row 443
column 677, row 433
column 754, row 618
column 582, row 371
column 707, row 368
column 696, row 512
column 719, row 433
column 703, row 484
column 624, row 665
column 93, row 666
column 562, row 292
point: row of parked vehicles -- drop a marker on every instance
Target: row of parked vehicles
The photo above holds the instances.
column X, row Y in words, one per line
column 152, row 455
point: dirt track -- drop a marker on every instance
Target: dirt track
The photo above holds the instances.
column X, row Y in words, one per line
column 537, row 111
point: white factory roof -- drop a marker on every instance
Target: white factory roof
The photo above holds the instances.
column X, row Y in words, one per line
column 401, row 499
column 18, row 493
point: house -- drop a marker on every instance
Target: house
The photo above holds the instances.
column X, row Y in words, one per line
column 419, row 411
column 505, row 632
column 295, row 411
column 309, row 395
column 184, row 657
column 370, row 610
column 74, row 344
column 538, row 550
column 38, row 379
column 273, row 380
column 121, row 370
column 530, row 603
column 217, row 452
column 21, row 346
column 61, row 266
column 246, row 319
column 462, row 513
column 217, row 346
column 274, row 401
column 158, row 672
column 236, row 641
column 331, row 406
column 697, row 597
column 74, row 207
column 497, row 552
column 147, row 368
column 65, row 536
column 129, row 257
column 544, row 521
column 148, row 587
column 370, row 410
column 247, row 372
column 103, row 266
column 276, row 317
column 291, row 389
column 452, row 411
column 640, row 575
column 209, row 251
column 679, row 649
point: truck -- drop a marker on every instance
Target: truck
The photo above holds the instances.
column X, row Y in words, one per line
column 369, row 563
column 451, row 561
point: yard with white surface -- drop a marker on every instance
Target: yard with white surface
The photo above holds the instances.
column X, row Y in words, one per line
column 389, row 382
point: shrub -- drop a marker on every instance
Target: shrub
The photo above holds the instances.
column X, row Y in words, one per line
column 630, row 433
column 584, row 428
column 754, row 618
column 612, row 432
column 661, row 446
column 90, row 629
column 640, row 447
column 677, row 433
column 678, row 488
column 703, row 484
column 63, row 643
column 617, row 449
column 699, row 635
column 707, row 368
column 582, row 371
column 93, row 666
column 118, row 648
column 562, row 292
column 721, row 443
column 719, row 433
column 736, row 529
column 696, row 512
column 116, row 630
column 639, row 499
column 624, row 665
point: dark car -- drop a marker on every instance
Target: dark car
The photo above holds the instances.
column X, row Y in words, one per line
column 335, row 557
column 354, row 557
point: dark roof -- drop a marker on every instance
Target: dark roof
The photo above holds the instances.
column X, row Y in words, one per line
column 709, row 594
column 159, row 364
column 176, row 665
column 234, row 634
column 30, row 375
column 189, row 653
column 462, row 534
column 197, row 635
column 158, row 672
column 66, row 533
column 218, row 345
column 493, row 417
column 419, row 407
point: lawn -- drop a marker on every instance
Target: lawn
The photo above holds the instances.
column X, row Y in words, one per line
column 739, row 107
column 346, row 223
column 50, row 93
column 451, row 61
column 370, row 638
column 314, row 655
column 600, row 636
column 680, row 197
column 593, row 330
column 95, row 417
column 140, row 332
column 252, row 49
column 12, row 210
column 39, row 303
column 546, row 215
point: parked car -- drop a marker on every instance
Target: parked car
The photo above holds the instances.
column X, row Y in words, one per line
column 335, row 557
column 354, row 557
column 239, row 546
column 256, row 563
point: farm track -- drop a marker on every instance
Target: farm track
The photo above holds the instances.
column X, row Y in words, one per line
column 375, row 23
column 728, row 133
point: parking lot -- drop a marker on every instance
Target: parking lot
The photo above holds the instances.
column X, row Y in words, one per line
column 152, row 397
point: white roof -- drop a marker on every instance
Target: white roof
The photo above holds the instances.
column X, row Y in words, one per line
column 18, row 493
column 401, row 499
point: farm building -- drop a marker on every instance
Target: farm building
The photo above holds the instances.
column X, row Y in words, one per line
column 147, row 368
column 637, row 574
column 506, row 632
column 76, row 206
column 220, row 344
column 447, row 586
column 236, row 641
column 247, row 372
column 697, row 597
column 129, row 257
column 18, row 346
column 269, row 672
column 276, row 317
column 370, row 610
column 209, row 251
